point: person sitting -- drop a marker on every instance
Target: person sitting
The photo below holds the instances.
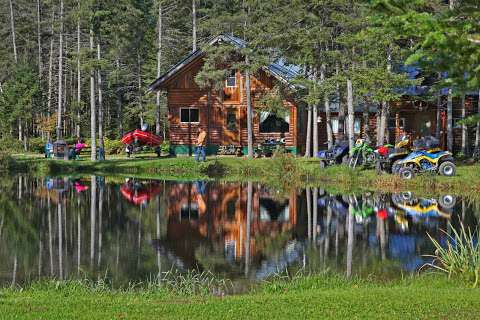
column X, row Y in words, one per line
column 48, row 149
column 79, row 146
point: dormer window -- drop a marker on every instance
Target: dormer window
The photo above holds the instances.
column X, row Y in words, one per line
column 231, row 81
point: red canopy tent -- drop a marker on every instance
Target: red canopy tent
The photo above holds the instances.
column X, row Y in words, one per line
column 142, row 138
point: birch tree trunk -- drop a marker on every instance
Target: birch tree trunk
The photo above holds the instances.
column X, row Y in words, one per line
column 15, row 58
column 39, row 40
column 14, row 37
column 366, row 126
column 119, row 98
column 328, row 117
column 465, row 149
column 249, row 113
column 100, row 101
column 50, row 77
column 93, row 111
column 351, row 115
column 308, row 140
column 450, row 121
column 194, row 26
column 383, row 122
column 139, row 78
column 159, row 64
column 477, row 130
column 315, row 121
column 341, row 106
column 79, row 81
column 60, row 75
column 451, row 5
column 315, row 129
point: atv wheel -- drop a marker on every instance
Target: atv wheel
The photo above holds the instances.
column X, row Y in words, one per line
column 447, row 201
column 345, row 160
column 323, row 164
column 406, row 196
column 396, row 167
column 447, row 169
column 406, row 173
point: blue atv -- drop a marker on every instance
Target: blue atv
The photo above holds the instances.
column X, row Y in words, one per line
column 336, row 155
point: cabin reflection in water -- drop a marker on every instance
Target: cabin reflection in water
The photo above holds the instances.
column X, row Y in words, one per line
column 202, row 212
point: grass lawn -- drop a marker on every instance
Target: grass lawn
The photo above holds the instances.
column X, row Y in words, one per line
column 280, row 171
column 309, row 298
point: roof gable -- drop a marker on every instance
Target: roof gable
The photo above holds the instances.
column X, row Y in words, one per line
column 280, row 70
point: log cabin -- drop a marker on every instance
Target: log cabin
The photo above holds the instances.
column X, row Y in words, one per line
column 226, row 120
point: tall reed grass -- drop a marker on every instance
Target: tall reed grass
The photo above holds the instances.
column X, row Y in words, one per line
column 460, row 256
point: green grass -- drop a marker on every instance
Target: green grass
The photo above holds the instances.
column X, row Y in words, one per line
column 426, row 297
column 282, row 172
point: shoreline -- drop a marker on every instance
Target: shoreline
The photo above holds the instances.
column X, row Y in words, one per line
column 281, row 172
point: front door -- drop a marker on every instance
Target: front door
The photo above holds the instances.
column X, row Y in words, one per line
column 231, row 126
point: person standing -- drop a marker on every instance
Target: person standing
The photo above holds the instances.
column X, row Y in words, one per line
column 201, row 144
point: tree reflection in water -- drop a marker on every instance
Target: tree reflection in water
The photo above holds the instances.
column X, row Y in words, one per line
column 134, row 230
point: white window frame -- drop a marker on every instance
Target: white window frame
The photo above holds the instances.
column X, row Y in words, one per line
column 189, row 108
column 233, row 75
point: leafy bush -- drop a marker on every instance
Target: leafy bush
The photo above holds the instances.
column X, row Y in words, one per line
column 113, row 146
column 165, row 147
column 10, row 145
column 36, row 145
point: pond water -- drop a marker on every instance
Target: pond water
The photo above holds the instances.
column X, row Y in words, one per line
column 128, row 230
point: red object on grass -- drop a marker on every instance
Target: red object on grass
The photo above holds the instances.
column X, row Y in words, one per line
column 382, row 214
column 142, row 138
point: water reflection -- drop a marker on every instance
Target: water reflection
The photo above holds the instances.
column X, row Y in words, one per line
column 132, row 230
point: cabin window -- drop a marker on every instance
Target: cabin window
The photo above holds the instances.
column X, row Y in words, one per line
column 231, row 80
column 392, row 123
column 271, row 123
column 334, row 122
column 357, row 126
column 231, row 120
column 189, row 115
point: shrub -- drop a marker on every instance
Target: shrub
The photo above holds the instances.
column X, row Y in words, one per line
column 10, row 145
column 165, row 147
column 36, row 145
column 113, row 146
